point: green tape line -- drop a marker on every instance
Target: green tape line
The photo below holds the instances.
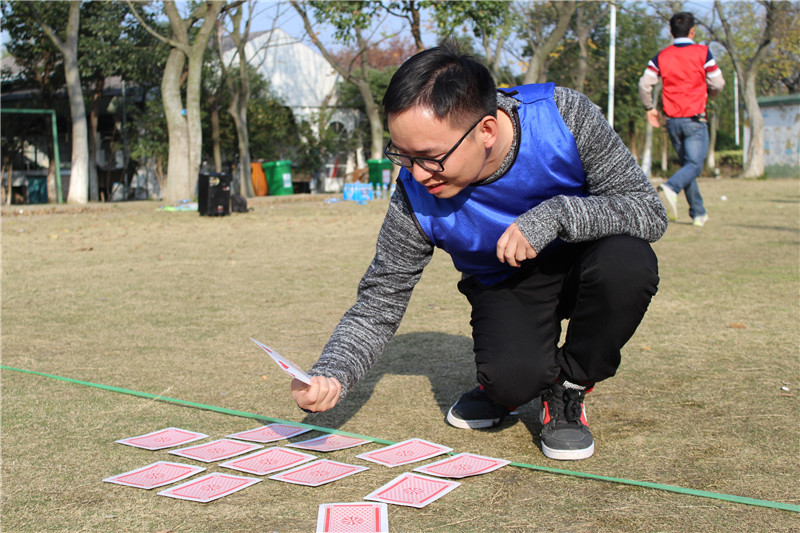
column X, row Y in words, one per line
column 644, row 484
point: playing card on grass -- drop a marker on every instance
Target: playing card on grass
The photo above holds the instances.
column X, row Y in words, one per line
column 462, row 465
column 353, row 517
column 270, row 433
column 286, row 365
column 318, row 473
column 163, row 438
column 408, row 451
column 328, row 443
column 267, row 461
column 155, row 475
column 210, row 487
column 216, row 450
column 412, row 490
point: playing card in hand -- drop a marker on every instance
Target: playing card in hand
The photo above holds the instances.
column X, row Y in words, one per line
column 270, row 433
column 210, row 487
column 318, row 473
column 328, row 443
column 412, row 490
column 354, row 517
column 286, row 365
column 216, row 450
column 267, row 461
column 408, row 451
column 163, row 438
column 462, row 465
column 155, row 475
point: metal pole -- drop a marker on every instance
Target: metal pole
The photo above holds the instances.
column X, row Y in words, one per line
column 736, row 106
column 612, row 56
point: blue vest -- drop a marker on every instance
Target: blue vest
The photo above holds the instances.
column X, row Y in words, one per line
column 468, row 225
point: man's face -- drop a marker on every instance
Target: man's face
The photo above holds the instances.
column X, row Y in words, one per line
column 417, row 132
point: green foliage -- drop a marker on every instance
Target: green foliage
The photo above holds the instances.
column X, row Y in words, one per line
column 345, row 16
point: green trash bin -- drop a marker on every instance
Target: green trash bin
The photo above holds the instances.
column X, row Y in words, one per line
column 278, row 175
column 380, row 173
column 279, row 178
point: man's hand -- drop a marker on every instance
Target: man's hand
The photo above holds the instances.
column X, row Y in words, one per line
column 652, row 117
column 322, row 394
column 513, row 248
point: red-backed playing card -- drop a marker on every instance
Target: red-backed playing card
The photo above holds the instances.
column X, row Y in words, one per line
column 270, row 433
column 216, row 450
column 163, row 438
column 462, row 465
column 412, row 490
column 155, row 475
column 402, row 453
column 328, row 443
column 354, row 517
column 210, row 487
column 318, row 473
column 287, row 366
column 267, row 461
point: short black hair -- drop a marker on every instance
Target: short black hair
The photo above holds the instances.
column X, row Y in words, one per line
column 455, row 86
column 681, row 23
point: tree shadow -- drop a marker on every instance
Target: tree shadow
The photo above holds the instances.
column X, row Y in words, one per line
column 448, row 363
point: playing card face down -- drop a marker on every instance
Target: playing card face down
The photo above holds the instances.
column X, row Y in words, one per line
column 318, row 473
column 155, row 475
column 284, row 364
column 270, row 433
column 408, row 451
column 412, row 490
column 356, row 517
column 163, row 438
column 267, row 461
column 328, row 443
column 462, row 465
column 209, row 487
column 216, row 450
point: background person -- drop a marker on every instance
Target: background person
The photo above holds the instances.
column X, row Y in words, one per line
column 547, row 216
column 689, row 75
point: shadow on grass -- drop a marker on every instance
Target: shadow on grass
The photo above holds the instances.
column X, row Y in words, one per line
column 448, row 363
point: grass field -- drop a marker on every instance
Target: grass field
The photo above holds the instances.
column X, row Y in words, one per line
column 131, row 296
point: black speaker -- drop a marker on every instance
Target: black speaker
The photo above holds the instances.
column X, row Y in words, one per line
column 213, row 194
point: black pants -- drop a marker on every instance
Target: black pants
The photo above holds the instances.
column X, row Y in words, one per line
column 603, row 287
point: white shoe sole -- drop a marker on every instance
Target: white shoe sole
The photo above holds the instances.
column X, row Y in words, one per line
column 455, row 421
column 568, row 455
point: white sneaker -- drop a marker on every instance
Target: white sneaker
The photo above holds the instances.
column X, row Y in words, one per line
column 671, row 199
column 700, row 221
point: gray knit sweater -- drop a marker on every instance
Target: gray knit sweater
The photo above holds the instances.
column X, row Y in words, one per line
column 620, row 201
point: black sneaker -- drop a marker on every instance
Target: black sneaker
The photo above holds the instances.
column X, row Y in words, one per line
column 475, row 410
column 565, row 434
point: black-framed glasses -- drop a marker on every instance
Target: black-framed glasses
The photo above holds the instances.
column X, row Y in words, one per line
column 428, row 163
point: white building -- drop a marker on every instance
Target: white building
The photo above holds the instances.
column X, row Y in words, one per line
column 781, row 135
column 306, row 83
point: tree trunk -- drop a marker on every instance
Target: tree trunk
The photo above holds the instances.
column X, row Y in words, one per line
column 79, row 177
column 185, row 151
column 713, row 124
column 215, row 134
column 52, row 191
column 647, row 153
column 94, row 142
column 536, row 72
column 178, row 186
column 754, row 167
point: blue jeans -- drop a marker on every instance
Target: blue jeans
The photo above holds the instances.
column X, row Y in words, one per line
column 690, row 139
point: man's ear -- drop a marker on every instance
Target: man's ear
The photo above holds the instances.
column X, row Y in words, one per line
column 489, row 131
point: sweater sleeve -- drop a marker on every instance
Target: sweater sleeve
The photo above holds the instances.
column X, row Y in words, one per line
column 620, row 199
column 401, row 254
